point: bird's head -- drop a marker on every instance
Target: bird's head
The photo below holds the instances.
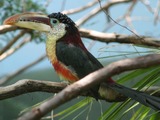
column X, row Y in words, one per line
column 55, row 25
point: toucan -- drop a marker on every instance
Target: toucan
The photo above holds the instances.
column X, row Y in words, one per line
column 70, row 58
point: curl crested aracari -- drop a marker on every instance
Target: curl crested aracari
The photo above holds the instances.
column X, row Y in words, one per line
column 70, row 58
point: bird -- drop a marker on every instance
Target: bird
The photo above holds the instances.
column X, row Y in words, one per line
column 69, row 56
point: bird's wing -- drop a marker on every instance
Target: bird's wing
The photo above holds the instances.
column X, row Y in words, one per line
column 79, row 61
column 76, row 59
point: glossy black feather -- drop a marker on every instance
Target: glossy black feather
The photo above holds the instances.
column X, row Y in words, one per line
column 62, row 18
column 77, row 59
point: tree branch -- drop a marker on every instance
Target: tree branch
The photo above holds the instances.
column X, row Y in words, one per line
column 7, row 28
column 27, row 86
column 89, row 81
column 16, row 38
column 76, row 10
column 113, row 37
column 95, row 11
column 14, row 49
column 15, row 73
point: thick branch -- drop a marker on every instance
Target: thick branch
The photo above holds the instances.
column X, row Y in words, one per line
column 27, row 86
column 89, row 81
column 113, row 37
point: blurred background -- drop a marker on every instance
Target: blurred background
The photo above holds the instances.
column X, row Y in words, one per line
column 23, row 54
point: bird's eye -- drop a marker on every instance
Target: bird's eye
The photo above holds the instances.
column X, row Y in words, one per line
column 53, row 21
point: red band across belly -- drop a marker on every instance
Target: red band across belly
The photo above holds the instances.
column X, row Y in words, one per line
column 64, row 72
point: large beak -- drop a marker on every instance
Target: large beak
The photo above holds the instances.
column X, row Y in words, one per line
column 36, row 21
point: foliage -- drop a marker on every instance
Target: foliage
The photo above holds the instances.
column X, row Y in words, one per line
column 11, row 7
column 86, row 108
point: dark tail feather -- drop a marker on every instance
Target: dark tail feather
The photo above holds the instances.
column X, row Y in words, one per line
column 144, row 98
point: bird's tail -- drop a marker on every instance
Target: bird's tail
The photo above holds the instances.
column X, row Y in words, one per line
column 143, row 98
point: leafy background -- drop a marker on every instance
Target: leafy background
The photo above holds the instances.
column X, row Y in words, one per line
column 142, row 23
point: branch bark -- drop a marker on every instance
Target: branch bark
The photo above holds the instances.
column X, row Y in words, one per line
column 89, row 81
column 97, row 10
column 7, row 28
column 76, row 10
column 113, row 37
column 28, row 85
column 110, row 37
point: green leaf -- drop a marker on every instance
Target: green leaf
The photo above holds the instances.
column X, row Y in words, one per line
column 73, row 108
column 133, row 75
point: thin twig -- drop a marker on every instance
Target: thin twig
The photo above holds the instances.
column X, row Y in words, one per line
column 148, row 6
column 13, row 50
column 127, row 16
column 14, row 40
column 12, row 75
column 156, row 14
column 76, row 10
column 95, row 11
